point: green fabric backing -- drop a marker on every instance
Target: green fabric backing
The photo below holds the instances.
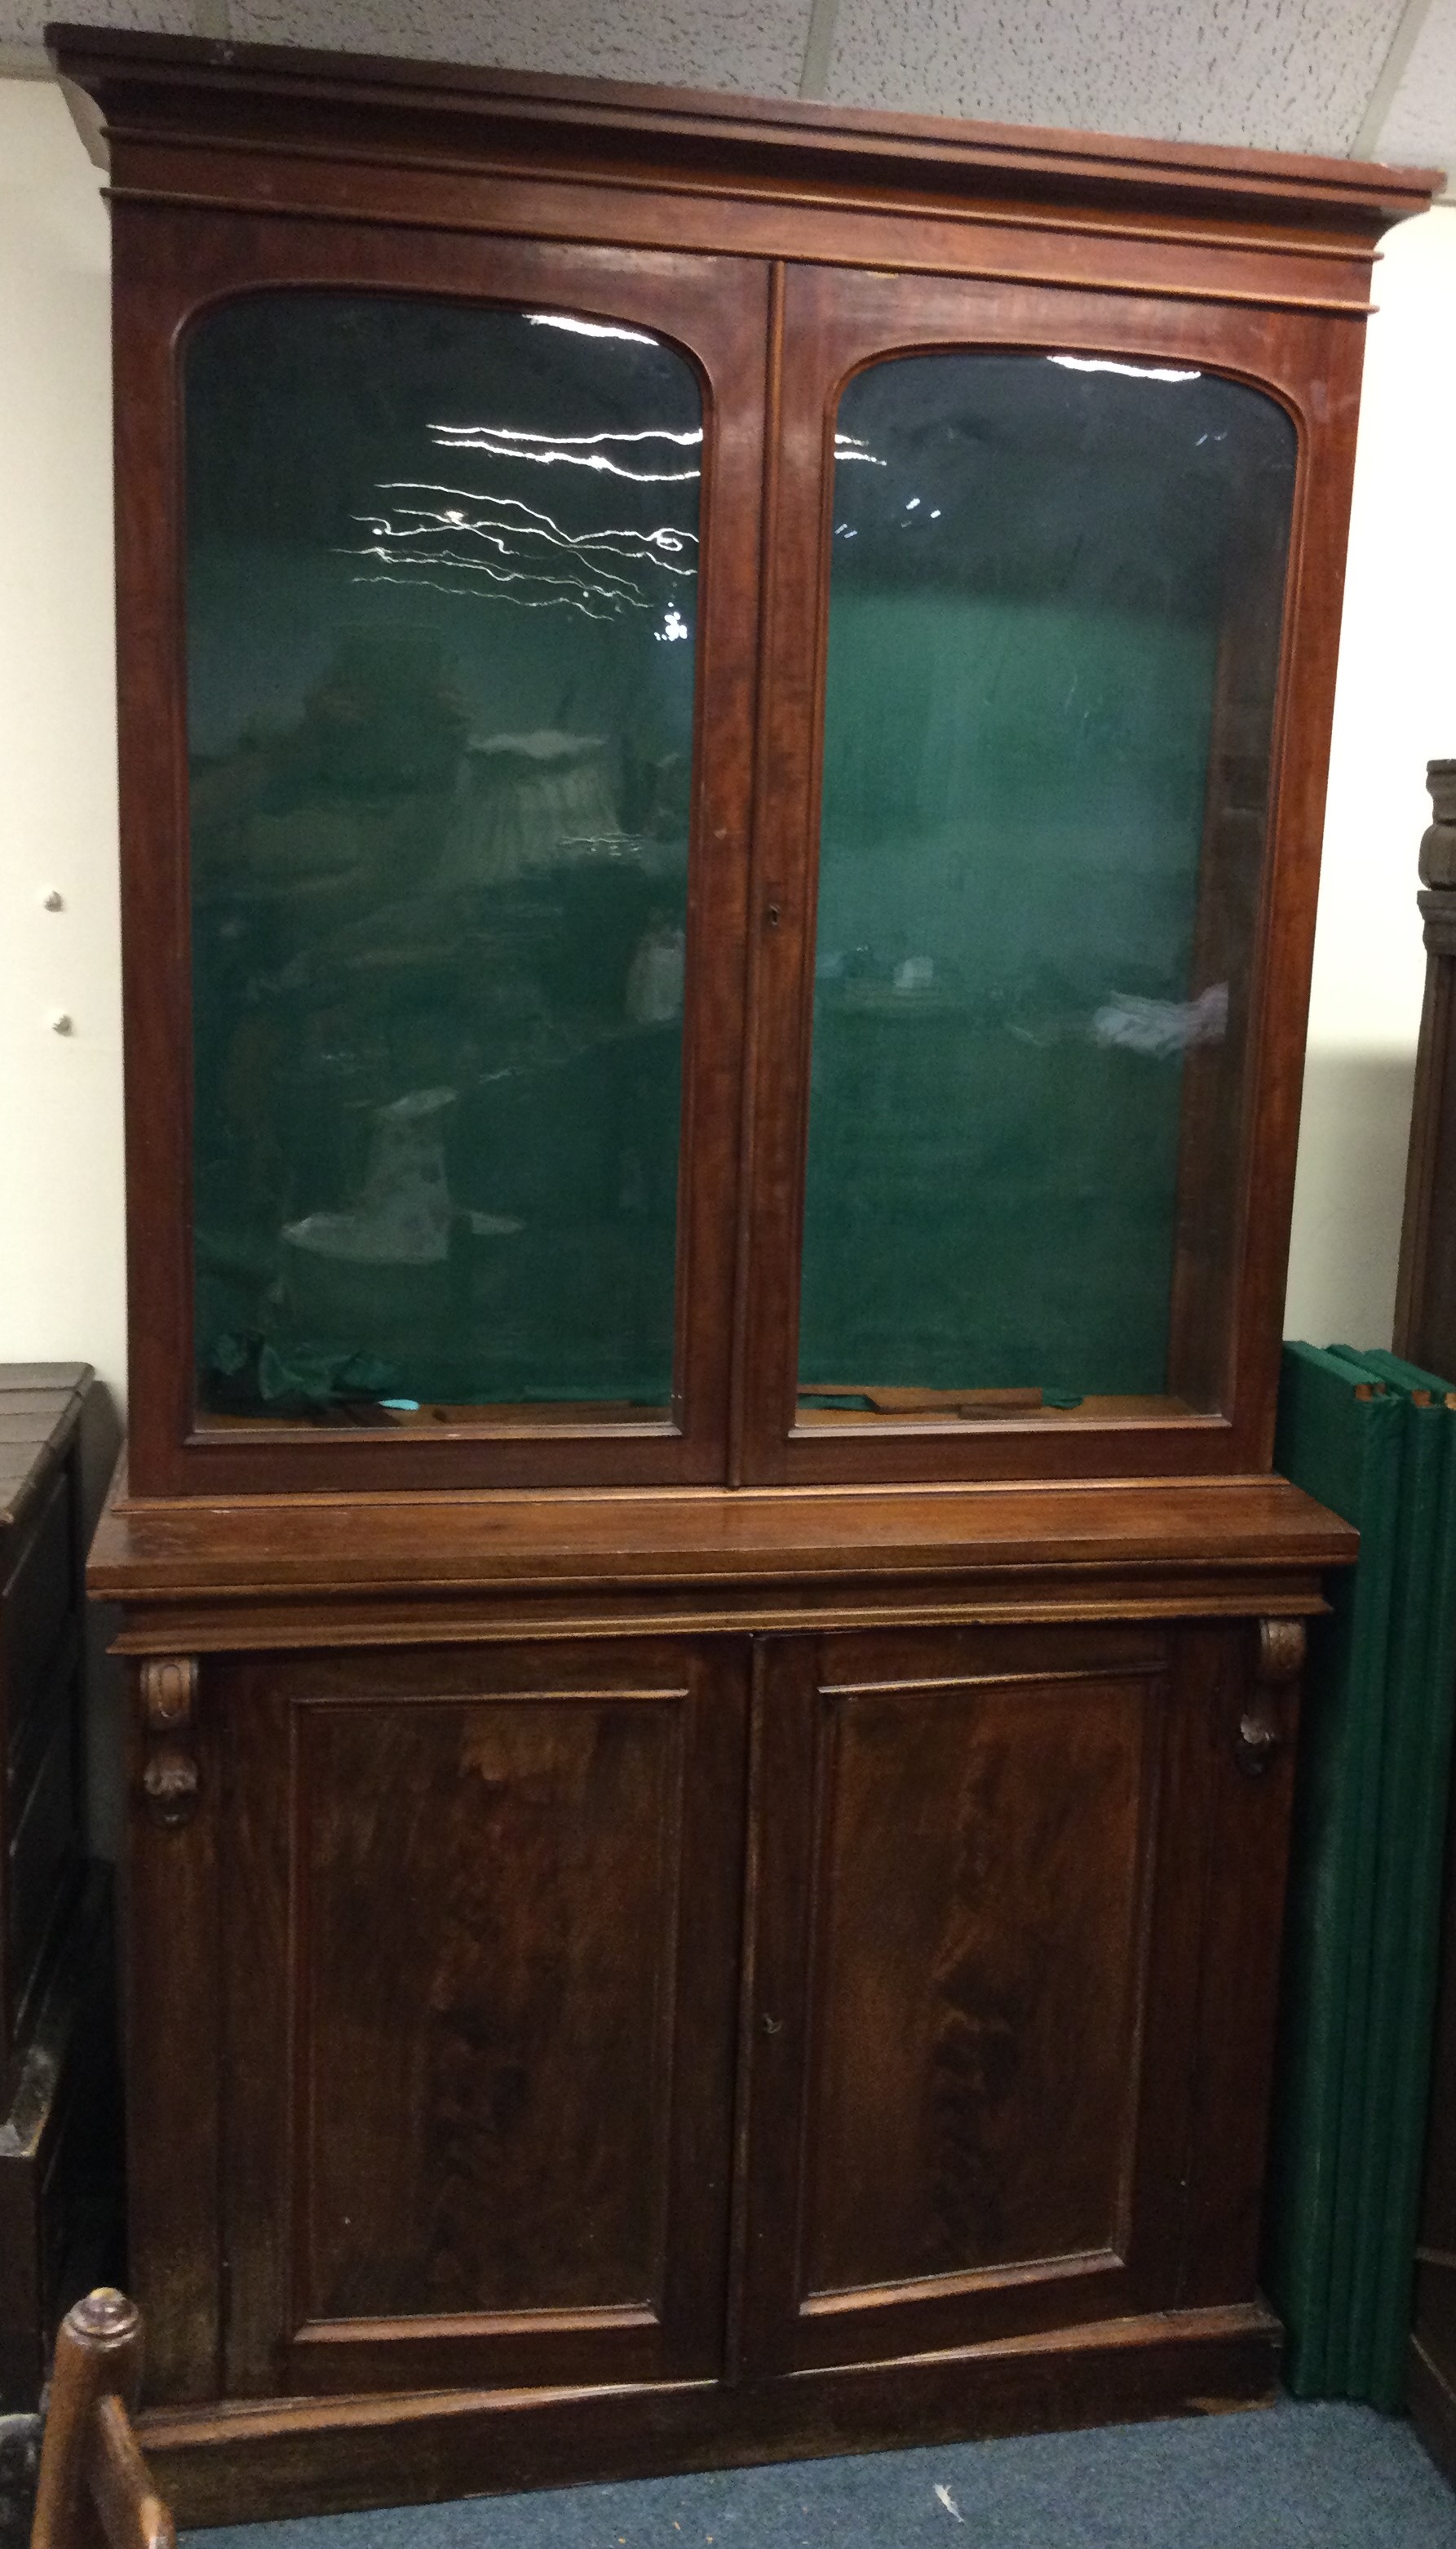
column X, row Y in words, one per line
column 991, row 1191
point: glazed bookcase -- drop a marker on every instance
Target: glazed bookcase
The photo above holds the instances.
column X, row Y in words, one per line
column 723, row 730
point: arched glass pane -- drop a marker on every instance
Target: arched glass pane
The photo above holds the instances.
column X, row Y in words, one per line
column 1054, row 613
column 441, row 581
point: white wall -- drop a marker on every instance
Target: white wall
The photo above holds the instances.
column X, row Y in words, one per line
column 61, row 1279
column 61, row 1288
column 1395, row 711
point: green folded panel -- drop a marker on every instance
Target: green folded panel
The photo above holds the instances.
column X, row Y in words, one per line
column 1340, row 1437
column 1372, row 2123
column 1414, row 1802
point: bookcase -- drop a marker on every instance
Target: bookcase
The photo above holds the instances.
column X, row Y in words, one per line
column 723, row 724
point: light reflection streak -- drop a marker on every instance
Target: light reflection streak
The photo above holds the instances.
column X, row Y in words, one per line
column 668, row 535
column 851, row 446
column 559, row 602
column 570, row 451
column 440, row 526
column 616, row 592
column 411, row 537
column 688, row 436
column 1133, row 371
column 554, row 457
column 641, row 548
column 587, row 328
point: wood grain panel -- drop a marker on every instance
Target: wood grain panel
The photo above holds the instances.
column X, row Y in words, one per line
column 979, row 1996
column 482, row 1977
column 1245, row 1825
column 488, row 1899
column 255, row 1989
column 977, row 1979
column 171, row 1906
column 262, row 1551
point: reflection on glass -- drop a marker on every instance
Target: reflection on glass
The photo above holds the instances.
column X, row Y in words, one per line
column 441, row 586
column 1054, row 613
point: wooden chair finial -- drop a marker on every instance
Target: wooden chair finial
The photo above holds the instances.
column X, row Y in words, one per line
column 89, row 2458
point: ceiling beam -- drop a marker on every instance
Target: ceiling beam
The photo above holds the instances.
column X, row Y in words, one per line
column 819, row 49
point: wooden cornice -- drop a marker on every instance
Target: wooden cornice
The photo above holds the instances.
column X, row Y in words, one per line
column 147, row 89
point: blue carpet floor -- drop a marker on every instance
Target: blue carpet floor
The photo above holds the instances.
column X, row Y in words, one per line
column 1316, row 2477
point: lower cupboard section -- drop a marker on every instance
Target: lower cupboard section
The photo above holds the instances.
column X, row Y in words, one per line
column 606, row 2054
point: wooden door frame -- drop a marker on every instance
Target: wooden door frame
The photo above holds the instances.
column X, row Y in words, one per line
column 833, row 325
column 171, row 269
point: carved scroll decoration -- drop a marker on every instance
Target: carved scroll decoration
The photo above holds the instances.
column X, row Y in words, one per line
column 170, row 1774
column 1261, row 1732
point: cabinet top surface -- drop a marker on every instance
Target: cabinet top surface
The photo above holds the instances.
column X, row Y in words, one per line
column 140, row 81
column 40, row 1407
column 147, row 1551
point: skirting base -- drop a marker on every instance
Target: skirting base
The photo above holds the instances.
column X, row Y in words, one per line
column 266, row 2459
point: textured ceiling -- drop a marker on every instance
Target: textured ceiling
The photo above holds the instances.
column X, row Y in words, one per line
column 1279, row 74
column 752, row 44
column 1376, row 76
column 1420, row 125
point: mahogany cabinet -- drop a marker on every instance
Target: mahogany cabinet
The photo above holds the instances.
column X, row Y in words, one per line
column 617, row 2036
column 723, row 724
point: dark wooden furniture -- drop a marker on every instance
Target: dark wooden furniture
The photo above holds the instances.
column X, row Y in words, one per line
column 42, row 1554
column 1425, row 1293
column 59, row 2116
column 1425, row 1331
column 92, row 2479
column 734, row 1918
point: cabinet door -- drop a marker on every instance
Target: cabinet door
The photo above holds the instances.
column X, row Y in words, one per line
column 1030, row 832
column 480, row 1913
column 1002, row 2080
column 447, row 927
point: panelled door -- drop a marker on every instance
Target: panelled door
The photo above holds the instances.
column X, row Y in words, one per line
column 495, row 2014
column 978, row 1991
column 481, row 1920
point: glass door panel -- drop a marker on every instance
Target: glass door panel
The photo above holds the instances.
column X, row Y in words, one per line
column 1055, row 608
column 442, row 574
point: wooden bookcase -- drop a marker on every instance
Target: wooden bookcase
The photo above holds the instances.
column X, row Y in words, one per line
column 721, row 1901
